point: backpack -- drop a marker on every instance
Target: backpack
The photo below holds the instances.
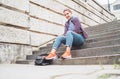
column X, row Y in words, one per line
column 41, row 61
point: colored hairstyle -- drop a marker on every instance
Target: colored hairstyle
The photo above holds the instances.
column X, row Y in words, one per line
column 67, row 10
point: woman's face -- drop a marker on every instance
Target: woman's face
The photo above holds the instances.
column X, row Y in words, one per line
column 67, row 14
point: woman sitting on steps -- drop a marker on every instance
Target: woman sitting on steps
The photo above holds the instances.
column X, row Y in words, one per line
column 74, row 35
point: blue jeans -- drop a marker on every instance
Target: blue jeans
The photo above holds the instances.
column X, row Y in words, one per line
column 71, row 39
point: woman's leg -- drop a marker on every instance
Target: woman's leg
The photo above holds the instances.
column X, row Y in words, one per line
column 59, row 40
column 72, row 38
column 67, row 53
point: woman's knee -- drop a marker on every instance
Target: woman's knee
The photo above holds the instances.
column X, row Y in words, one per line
column 59, row 38
column 69, row 32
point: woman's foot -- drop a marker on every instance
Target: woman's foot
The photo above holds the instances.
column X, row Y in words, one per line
column 66, row 55
column 51, row 56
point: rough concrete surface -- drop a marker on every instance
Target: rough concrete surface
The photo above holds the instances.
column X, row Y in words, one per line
column 17, row 71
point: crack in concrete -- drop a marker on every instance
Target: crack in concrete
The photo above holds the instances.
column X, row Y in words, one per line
column 67, row 74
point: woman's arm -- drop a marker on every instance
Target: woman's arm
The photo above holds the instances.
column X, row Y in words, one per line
column 79, row 28
column 77, row 24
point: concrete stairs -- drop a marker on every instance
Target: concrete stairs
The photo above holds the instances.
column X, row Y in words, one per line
column 102, row 47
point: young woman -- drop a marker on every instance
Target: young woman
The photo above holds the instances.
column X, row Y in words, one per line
column 74, row 35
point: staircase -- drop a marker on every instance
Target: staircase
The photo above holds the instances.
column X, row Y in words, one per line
column 102, row 47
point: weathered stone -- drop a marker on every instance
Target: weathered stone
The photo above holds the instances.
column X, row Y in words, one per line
column 10, row 52
column 86, row 20
column 46, row 27
column 93, row 10
column 38, row 39
column 94, row 60
column 80, row 10
column 14, row 35
column 18, row 4
column 83, row 7
column 107, row 27
column 37, row 11
column 100, row 9
column 15, row 23
column 13, row 17
column 50, row 4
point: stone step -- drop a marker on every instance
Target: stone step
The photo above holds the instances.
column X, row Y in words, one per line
column 96, row 51
column 100, row 37
column 105, row 31
column 98, row 41
column 102, row 47
column 92, row 60
column 103, row 38
column 102, row 43
column 25, row 62
column 46, row 49
column 103, row 27
column 43, row 51
column 50, row 45
column 86, row 45
column 36, row 52
column 112, row 32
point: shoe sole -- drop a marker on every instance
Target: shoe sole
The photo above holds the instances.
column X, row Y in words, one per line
column 51, row 58
column 68, row 57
